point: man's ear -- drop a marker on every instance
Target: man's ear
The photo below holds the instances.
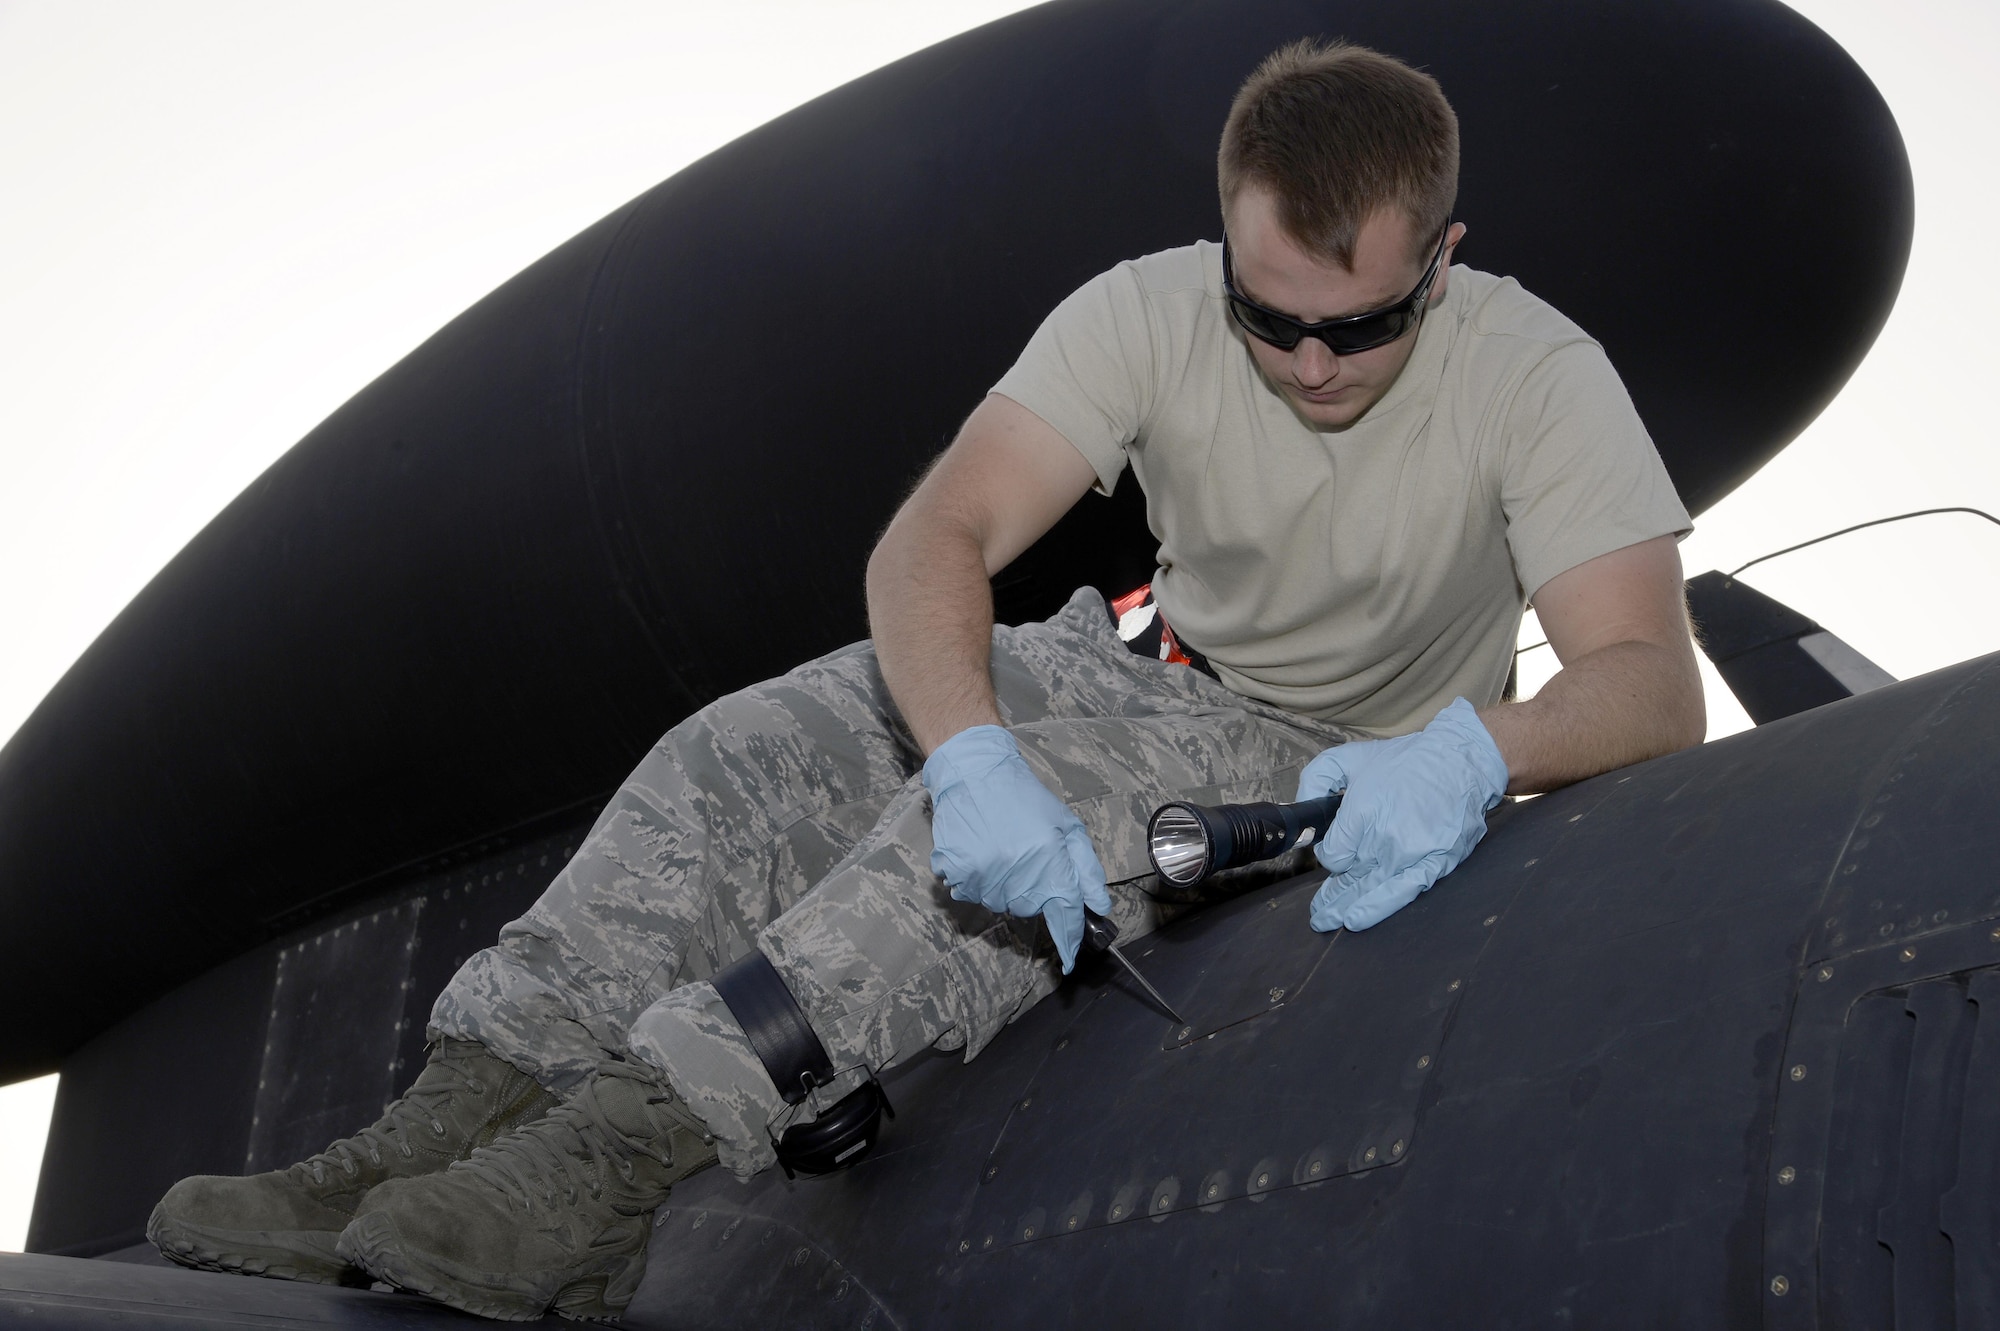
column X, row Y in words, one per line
column 1451, row 239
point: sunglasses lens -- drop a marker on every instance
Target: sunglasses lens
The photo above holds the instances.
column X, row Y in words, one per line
column 1260, row 324
column 1368, row 332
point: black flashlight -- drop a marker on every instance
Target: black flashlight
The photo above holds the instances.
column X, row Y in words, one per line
column 1188, row 842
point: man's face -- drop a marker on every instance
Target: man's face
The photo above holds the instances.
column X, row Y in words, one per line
column 1329, row 391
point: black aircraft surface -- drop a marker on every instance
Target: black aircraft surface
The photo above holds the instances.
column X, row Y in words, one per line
column 1701, row 1042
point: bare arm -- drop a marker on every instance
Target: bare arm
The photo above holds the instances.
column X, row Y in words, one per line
column 1628, row 689
column 1004, row 481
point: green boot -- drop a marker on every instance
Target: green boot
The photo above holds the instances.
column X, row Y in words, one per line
column 285, row 1223
column 552, row 1216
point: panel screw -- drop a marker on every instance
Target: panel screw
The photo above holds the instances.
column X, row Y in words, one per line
column 1186, row 1031
column 1491, row 919
column 991, row 1170
column 1075, row 1220
column 1027, row 1101
column 1995, row 935
column 1786, row 1175
column 1264, row 1179
column 1277, row 995
column 1214, row 1188
column 1454, row 986
column 1063, row 1043
column 1159, row 1203
column 1779, row 1285
column 988, row 1243
column 965, row 1245
column 1028, row 1233
column 1908, row 954
column 1317, row 1166
column 1368, row 1156
column 1117, row 1213
column 1798, row 1072
column 1424, row 1062
column 1825, row 974
column 1397, row 1147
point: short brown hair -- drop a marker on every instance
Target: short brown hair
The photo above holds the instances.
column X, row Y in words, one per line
column 1336, row 132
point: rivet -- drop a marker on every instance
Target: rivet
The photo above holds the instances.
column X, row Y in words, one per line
column 991, row 1170
column 1532, row 863
column 1317, row 1166
column 1786, row 1176
column 1063, row 1043
column 1995, row 935
column 1576, row 817
column 1368, row 1156
column 1277, row 995
column 1453, row 987
column 1491, row 920
column 1272, row 905
column 1396, row 1148
column 1264, row 1179
column 1908, row 954
column 1798, row 1072
column 1779, row 1285
column 799, row 1256
column 1825, row 974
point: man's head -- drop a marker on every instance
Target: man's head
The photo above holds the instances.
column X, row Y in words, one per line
column 1338, row 170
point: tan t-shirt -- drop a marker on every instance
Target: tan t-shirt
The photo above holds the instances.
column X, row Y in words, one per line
column 1367, row 575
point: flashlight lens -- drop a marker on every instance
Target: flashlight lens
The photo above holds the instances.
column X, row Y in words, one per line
column 1179, row 845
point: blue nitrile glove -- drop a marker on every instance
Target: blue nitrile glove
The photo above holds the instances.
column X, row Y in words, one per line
column 1414, row 809
column 1005, row 841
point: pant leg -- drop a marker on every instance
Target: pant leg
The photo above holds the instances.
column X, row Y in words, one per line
column 721, row 828
column 880, row 957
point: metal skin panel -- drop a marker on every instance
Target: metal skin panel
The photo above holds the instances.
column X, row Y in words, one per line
column 330, row 1043
column 483, row 586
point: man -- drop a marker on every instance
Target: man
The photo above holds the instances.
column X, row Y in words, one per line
column 1358, row 461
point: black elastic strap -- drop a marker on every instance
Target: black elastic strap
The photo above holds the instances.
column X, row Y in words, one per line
column 763, row 1005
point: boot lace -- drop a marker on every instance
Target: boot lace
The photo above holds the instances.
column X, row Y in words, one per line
column 420, row 1109
column 574, row 1148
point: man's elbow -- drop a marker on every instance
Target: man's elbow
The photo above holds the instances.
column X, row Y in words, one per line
column 1687, row 725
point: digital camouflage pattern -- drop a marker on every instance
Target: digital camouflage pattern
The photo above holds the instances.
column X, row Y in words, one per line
column 790, row 816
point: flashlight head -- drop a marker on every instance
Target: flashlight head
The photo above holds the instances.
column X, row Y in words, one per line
column 1178, row 839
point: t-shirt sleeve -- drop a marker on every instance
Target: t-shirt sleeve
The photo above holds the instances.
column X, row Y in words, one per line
column 1580, row 476
column 1088, row 370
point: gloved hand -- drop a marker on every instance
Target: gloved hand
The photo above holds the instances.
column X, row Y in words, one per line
column 1414, row 809
column 1004, row 840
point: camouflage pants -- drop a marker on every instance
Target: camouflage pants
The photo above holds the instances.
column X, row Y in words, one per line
column 789, row 817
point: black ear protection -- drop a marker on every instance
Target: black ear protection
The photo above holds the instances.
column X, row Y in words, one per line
column 843, row 1132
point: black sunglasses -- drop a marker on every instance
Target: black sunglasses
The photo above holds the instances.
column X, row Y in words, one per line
column 1343, row 337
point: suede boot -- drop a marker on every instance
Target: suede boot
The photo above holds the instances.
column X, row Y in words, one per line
column 554, row 1216
column 285, row 1223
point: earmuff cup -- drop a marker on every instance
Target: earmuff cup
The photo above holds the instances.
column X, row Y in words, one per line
column 837, row 1138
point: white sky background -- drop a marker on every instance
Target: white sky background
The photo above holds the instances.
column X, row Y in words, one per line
column 218, row 221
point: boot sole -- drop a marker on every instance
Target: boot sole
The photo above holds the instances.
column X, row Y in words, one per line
column 306, row 1255
column 372, row 1244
